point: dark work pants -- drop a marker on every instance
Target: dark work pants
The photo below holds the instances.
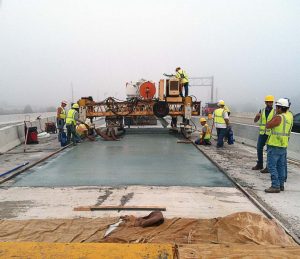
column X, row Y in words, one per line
column 221, row 132
column 261, row 142
column 71, row 131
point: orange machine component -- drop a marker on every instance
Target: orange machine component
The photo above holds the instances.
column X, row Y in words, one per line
column 147, row 90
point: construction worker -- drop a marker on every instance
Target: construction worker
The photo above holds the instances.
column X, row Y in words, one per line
column 205, row 135
column 221, row 122
column 277, row 144
column 61, row 118
column 71, row 121
column 84, row 132
column 263, row 116
column 184, row 81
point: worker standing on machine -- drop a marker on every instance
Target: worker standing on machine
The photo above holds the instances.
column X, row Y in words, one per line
column 184, row 81
column 71, row 121
column 263, row 116
column 61, row 119
column 205, row 134
column 221, row 122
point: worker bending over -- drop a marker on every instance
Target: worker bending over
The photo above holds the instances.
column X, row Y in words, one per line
column 205, row 134
column 71, row 121
column 85, row 132
column 263, row 116
column 183, row 80
column 277, row 144
column 61, row 118
column 221, row 122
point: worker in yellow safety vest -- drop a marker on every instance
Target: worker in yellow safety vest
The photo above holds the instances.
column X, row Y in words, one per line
column 263, row 116
column 221, row 123
column 71, row 121
column 277, row 144
column 61, row 118
column 205, row 135
column 184, row 81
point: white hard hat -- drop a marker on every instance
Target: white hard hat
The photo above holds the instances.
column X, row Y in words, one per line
column 282, row 102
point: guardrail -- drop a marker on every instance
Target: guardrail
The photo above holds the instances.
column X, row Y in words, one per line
column 248, row 134
column 12, row 136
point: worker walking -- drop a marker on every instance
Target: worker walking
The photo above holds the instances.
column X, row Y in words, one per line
column 71, row 121
column 205, row 135
column 184, row 81
column 61, row 119
column 263, row 116
column 277, row 144
column 221, row 122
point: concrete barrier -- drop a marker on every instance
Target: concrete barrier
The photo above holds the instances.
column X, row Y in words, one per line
column 248, row 134
column 12, row 136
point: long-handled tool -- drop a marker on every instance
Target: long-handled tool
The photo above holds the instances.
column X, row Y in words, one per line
column 14, row 169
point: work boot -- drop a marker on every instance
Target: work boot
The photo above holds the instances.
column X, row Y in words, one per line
column 257, row 167
column 281, row 188
column 264, row 171
column 272, row 190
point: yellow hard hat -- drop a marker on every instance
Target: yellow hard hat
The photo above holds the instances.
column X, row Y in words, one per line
column 269, row 98
column 75, row 106
column 202, row 120
column 221, row 102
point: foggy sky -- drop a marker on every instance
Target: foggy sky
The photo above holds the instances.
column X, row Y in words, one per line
column 251, row 47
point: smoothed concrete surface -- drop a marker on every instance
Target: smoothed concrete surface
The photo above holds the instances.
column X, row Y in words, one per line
column 190, row 202
column 147, row 157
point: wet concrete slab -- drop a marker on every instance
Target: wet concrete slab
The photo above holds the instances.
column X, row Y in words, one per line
column 190, row 202
column 151, row 157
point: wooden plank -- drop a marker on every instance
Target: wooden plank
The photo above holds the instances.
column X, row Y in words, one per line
column 111, row 207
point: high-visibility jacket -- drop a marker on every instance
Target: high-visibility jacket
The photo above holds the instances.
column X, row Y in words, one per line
column 182, row 76
column 71, row 117
column 62, row 114
column 208, row 132
column 219, row 116
column 279, row 136
column 290, row 116
column 263, row 121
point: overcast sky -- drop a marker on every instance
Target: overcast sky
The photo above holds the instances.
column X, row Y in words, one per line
column 251, row 47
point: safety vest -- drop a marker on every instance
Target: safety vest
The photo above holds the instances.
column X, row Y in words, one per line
column 279, row 136
column 208, row 132
column 290, row 116
column 62, row 114
column 219, row 116
column 263, row 121
column 80, row 129
column 71, row 117
column 182, row 76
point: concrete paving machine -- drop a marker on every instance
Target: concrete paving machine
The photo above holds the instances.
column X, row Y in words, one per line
column 143, row 106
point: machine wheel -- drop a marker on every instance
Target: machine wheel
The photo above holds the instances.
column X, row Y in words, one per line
column 161, row 109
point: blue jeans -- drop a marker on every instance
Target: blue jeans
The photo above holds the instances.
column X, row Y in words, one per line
column 60, row 126
column 221, row 134
column 276, row 157
column 261, row 142
column 186, row 90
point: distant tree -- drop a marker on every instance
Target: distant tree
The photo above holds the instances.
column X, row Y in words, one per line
column 27, row 109
column 50, row 109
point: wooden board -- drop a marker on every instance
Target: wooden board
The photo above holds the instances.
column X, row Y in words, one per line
column 111, row 207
